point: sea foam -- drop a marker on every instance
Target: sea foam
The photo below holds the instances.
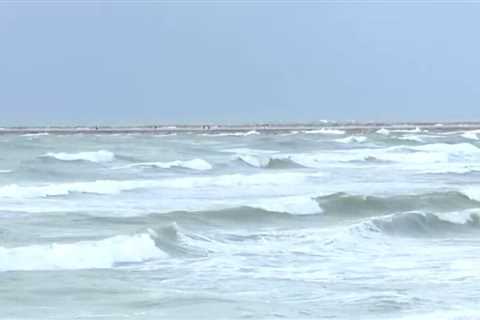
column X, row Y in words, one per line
column 101, row 254
column 92, row 156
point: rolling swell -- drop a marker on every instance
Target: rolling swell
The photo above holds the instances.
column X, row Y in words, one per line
column 419, row 224
column 343, row 204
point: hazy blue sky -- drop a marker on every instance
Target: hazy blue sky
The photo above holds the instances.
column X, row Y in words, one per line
column 124, row 63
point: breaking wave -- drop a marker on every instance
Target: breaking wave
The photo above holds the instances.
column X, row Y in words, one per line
column 92, row 156
column 383, row 131
column 411, row 137
column 231, row 134
column 101, row 254
column 40, row 134
column 352, row 139
column 428, row 153
column 471, row 135
column 325, row 131
column 268, row 162
column 420, row 224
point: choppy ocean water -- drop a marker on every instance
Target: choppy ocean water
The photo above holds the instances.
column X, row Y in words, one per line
column 324, row 224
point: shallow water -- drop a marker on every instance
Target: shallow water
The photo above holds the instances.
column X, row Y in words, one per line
column 320, row 224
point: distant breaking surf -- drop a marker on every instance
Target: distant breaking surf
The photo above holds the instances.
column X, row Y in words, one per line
column 92, row 156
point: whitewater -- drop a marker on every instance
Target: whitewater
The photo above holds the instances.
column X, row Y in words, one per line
column 377, row 223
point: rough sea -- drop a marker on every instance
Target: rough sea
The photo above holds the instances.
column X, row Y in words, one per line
column 319, row 224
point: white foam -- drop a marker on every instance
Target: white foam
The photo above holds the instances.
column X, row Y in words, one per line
column 102, row 254
column 254, row 161
column 302, row 205
column 5, row 171
column 251, row 132
column 40, row 134
column 291, row 133
column 429, row 153
column 93, row 156
column 106, row 187
column 231, row 134
column 456, row 148
column 194, row 164
column 472, row 192
column 458, row 217
column 411, row 137
column 471, row 135
column 165, row 135
column 383, row 131
column 352, row 139
column 15, row 191
column 451, row 168
column 325, row 131
column 441, row 154
column 416, row 130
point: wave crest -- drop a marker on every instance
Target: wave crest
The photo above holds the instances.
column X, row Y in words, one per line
column 420, row 224
column 194, row 164
column 92, row 156
column 101, row 254
column 269, row 162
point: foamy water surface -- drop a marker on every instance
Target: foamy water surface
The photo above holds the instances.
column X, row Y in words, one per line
column 317, row 224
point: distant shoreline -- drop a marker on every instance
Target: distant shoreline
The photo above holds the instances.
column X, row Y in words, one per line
column 267, row 128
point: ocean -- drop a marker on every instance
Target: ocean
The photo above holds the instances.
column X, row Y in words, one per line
column 331, row 223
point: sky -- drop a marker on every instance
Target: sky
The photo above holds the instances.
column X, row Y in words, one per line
column 125, row 62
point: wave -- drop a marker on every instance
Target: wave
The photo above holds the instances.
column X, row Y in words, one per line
column 325, row 131
column 161, row 135
column 428, row 153
column 290, row 133
column 40, row 134
column 269, row 180
column 15, row 191
column 194, row 164
column 411, row 137
column 448, row 148
column 471, row 135
column 92, row 156
column 231, row 134
column 343, row 204
column 101, row 254
column 420, row 224
column 352, row 139
column 5, row 171
column 268, row 162
column 383, row 131
column 416, row 130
